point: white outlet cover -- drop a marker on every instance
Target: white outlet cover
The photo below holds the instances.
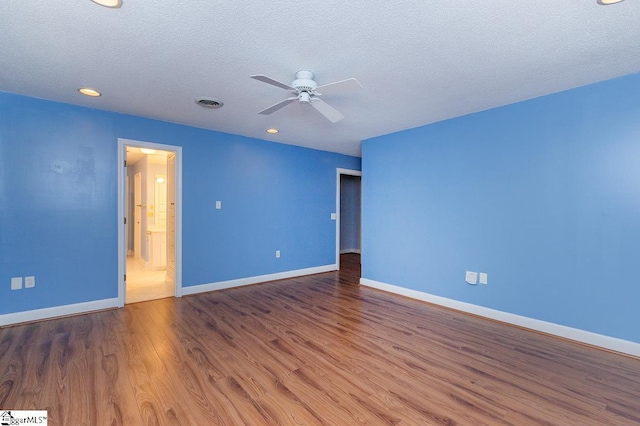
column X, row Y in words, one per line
column 218, row 205
column 483, row 277
column 471, row 277
column 29, row 282
column 277, row 253
column 333, row 216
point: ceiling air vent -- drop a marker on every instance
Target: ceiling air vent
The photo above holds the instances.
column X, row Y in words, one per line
column 209, row 102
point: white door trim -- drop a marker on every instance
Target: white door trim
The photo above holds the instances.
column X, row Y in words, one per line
column 339, row 172
column 122, row 252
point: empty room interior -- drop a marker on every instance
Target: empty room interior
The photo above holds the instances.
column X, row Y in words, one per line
column 405, row 213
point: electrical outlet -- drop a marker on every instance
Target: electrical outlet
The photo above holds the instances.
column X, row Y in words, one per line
column 16, row 283
column 277, row 254
column 29, row 282
column 484, row 278
column 333, row 216
column 218, row 205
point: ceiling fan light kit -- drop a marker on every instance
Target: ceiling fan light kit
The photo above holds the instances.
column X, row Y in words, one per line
column 307, row 91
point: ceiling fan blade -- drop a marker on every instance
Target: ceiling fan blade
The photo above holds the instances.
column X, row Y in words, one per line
column 327, row 110
column 273, row 82
column 281, row 104
column 348, row 85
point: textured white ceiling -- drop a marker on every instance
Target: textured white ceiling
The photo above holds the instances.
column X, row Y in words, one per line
column 419, row 61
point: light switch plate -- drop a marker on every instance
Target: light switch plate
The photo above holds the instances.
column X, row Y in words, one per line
column 16, row 283
column 483, row 277
column 471, row 277
column 333, row 216
column 218, row 205
column 278, row 254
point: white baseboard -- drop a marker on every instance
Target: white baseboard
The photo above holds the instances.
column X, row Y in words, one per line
column 594, row 339
column 81, row 308
column 352, row 250
column 57, row 311
column 203, row 288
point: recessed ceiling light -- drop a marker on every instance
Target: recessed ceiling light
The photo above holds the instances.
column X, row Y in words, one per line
column 272, row 131
column 108, row 3
column 147, row 151
column 606, row 2
column 89, row 92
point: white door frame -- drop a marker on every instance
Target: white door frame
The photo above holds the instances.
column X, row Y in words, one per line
column 122, row 175
column 339, row 172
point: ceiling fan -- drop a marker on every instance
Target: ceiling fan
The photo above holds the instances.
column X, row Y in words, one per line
column 307, row 91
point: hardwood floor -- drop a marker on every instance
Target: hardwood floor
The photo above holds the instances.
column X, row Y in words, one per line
column 313, row 350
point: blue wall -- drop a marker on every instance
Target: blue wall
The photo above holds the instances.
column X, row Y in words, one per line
column 58, row 202
column 543, row 195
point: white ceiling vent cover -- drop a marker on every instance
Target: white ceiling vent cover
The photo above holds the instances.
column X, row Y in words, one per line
column 209, row 102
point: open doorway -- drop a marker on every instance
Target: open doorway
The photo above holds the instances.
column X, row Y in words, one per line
column 149, row 242
column 348, row 222
column 146, row 266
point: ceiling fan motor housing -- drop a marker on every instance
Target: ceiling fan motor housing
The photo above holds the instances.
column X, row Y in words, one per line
column 304, row 82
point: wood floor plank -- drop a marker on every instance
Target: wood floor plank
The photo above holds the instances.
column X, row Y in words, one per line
column 316, row 350
column 166, row 373
column 114, row 395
